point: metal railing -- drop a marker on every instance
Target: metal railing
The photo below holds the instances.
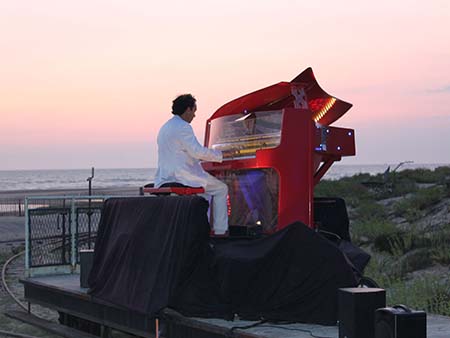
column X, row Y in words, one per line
column 12, row 207
column 56, row 228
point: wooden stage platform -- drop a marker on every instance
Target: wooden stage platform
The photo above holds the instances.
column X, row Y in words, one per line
column 64, row 294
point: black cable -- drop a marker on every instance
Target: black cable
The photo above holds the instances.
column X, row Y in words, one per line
column 296, row 329
column 261, row 323
column 248, row 326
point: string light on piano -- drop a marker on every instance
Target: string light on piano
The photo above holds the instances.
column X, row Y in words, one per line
column 321, row 147
column 325, row 108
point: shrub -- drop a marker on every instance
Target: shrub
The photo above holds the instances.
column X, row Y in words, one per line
column 420, row 175
column 352, row 191
column 443, row 172
column 411, row 208
column 413, row 260
column 370, row 221
column 380, row 269
column 370, row 210
column 440, row 244
column 429, row 293
column 367, row 230
column 399, row 242
column 395, row 243
column 441, row 254
column 403, row 186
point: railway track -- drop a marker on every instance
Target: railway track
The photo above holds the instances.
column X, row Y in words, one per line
column 7, row 289
column 12, row 269
column 5, row 284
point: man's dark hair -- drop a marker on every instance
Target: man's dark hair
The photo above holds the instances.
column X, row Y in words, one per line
column 181, row 103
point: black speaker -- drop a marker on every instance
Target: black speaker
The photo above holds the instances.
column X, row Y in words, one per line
column 86, row 260
column 357, row 311
column 400, row 322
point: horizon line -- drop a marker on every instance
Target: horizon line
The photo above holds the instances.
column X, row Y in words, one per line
column 146, row 168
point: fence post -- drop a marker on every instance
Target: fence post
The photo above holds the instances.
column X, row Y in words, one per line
column 73, row 235
column 20, row 209
column 27, row 239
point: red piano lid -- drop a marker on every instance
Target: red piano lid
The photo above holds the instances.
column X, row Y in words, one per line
column 326, row 108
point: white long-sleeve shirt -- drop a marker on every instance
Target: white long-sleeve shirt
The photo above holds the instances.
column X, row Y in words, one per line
column 179, row 155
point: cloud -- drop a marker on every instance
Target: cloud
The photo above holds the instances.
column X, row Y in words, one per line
column 444, row 89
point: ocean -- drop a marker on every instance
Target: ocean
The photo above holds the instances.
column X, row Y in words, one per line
column 14, row 180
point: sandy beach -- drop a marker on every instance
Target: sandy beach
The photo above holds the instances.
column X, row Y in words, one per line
column 12, row 239
column 21, row 194
column 12, row 228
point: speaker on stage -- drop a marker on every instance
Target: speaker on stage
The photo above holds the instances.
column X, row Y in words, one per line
column 86, row 261
column 400, row 322
column 357, row 311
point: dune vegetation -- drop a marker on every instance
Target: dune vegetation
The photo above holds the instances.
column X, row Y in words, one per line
column 403, row 220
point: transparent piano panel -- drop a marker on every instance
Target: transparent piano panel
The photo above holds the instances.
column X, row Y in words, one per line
column 253, row 197
column 241, row 135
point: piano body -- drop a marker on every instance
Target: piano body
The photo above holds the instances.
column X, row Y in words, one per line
column 278, row 144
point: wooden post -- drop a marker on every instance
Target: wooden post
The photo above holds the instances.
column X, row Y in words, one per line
column 105, row 332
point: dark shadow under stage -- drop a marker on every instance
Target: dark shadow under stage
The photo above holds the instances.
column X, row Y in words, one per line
column 63, row 293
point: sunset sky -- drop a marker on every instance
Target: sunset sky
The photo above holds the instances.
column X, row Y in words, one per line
column 89, row 83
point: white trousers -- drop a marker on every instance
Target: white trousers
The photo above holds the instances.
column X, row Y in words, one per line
column 216, row 193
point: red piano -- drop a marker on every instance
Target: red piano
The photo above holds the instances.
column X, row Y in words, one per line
column 278, row 143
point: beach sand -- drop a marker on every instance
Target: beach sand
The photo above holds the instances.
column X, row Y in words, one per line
column 20, row 194
column 12, row 228
column 12, row 238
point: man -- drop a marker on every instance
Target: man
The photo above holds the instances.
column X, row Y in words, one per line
column 179, row 155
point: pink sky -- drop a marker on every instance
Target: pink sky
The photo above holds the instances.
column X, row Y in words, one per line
column 89, row 83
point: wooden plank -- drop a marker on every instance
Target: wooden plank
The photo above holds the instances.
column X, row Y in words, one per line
column 56, row 293
column 46, row 325
column 172, row 316
column 65, row 283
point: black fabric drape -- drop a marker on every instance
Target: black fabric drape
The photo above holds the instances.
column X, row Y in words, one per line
column 144, row 246
column 292, row 275
column 155, row 252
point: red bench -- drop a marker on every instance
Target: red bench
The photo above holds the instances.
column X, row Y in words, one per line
column 171, row 188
